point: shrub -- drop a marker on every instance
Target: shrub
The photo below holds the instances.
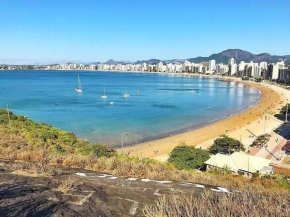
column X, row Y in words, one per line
column 284, row 108
column 103, row 151
column 59, row 149
column 258, row 79
column 188, row 157
column 226, row 145
column 39, row 135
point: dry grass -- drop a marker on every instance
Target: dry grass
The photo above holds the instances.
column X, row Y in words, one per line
column 134, row 167
column 146, row 168
column 38, row 169
column 250, row 203
column 65, row 186
column 282, row 170
column 286, row 160
column 31, row 173
column 23, row 143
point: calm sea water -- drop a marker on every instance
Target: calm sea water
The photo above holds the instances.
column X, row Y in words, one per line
column 158, row 104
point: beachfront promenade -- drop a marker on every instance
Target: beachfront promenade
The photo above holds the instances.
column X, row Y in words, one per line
column 273, row 150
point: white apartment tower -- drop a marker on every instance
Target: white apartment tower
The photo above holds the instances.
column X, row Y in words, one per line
column 234, row 69
column 275, row 73
column 256, row 70
column 231, row 61
column 264, row 65
column 242, row 66
column 211, row 65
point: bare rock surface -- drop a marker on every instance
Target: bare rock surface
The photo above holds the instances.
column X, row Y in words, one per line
column 73, row 192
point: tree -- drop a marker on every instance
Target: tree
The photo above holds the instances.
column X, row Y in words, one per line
column 188, row 157
column 258, row 79
column 227, row 145
column 284, row 108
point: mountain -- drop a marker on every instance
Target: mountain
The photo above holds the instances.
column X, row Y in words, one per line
column 239, row 55
column 222, row 57
column 151, row 61
column 112, row 62
column 174, row 61
column 89, row 63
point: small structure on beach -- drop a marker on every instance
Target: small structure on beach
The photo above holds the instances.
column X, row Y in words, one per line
column 261, row 141
column 240, row 163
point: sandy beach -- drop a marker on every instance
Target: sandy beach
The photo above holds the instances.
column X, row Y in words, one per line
column 237, row 126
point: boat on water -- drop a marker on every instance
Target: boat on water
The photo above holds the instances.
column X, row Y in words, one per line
column 104, row 96
column 126, row 95
column 112, row 103
column 79, row 89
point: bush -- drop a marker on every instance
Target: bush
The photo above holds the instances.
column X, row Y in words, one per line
column 226, row 145
column 188, row 157
column 258, row 79
column 103, row 151
column 39, row 135
column 284, row 108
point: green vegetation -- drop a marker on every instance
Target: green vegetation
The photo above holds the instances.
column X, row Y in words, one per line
column 29, row 135
column 47, row 147
column 284, row 108
column 42, row 144
column 258, row 79
column 188, row 157
column 226, row 145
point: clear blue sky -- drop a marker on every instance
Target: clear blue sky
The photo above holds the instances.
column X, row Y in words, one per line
column 98, row 30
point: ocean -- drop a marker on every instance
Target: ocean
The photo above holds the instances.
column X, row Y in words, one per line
column 159, row 104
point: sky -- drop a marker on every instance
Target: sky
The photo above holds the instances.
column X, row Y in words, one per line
column 42, row 31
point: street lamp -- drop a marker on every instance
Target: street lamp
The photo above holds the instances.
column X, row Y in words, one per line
column 265, row 124
column 122, row 137
column 286, row 117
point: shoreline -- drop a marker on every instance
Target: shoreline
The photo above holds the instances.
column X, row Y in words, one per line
column 187, row 129
column 204, row 136
column 199, row 125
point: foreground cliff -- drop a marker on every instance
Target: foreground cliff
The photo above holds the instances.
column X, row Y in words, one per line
column 46, row 171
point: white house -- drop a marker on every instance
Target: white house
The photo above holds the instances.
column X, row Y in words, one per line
column 240, row 163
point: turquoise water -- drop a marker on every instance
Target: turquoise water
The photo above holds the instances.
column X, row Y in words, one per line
column 163, row 105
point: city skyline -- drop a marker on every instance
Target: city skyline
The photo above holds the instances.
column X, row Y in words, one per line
column 278, row 71
column 97, row 31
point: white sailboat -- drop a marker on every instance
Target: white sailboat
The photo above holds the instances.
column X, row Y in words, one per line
column 104, row 96
column 79, row 88
column 126, row 95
